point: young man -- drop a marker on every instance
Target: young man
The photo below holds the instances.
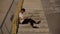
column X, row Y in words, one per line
column 23, row 20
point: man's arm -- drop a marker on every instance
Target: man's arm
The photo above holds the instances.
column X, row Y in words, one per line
column 21, row 18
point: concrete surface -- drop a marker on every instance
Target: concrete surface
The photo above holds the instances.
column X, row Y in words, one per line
column 35, row 8
column 52, row 12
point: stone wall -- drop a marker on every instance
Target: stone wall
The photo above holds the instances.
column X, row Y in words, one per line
column 52, row 12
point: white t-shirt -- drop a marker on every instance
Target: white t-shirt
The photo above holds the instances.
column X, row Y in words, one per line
column 21, row 16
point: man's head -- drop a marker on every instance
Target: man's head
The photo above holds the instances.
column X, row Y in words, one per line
column 23, row 10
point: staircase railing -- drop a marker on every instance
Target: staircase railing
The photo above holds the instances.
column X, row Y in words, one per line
column 15, row 22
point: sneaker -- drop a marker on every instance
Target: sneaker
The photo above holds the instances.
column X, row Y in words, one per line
column 38, row 22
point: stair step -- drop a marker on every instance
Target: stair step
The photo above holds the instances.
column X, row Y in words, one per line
column 32, row 33
column 33, row 30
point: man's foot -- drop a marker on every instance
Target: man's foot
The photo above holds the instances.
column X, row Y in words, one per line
column 38, row 22
column 35, row 27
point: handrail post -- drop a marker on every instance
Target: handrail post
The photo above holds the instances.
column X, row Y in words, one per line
column 14, row 22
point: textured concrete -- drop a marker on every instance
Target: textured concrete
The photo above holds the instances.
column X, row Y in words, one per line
column 52, row 11
column 33, row 8
column 54, row 23
column 32, row 33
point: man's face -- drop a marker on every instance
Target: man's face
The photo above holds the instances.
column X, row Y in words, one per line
column 22, row 11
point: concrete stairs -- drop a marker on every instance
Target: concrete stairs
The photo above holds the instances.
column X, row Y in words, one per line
column 35, row 11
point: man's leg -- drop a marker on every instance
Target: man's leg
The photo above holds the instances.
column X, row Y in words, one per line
column 26, row 21
column 32, row 23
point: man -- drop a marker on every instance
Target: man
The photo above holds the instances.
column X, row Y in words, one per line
column 23, row 20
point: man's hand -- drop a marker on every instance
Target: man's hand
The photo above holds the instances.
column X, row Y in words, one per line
column 21, row 18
